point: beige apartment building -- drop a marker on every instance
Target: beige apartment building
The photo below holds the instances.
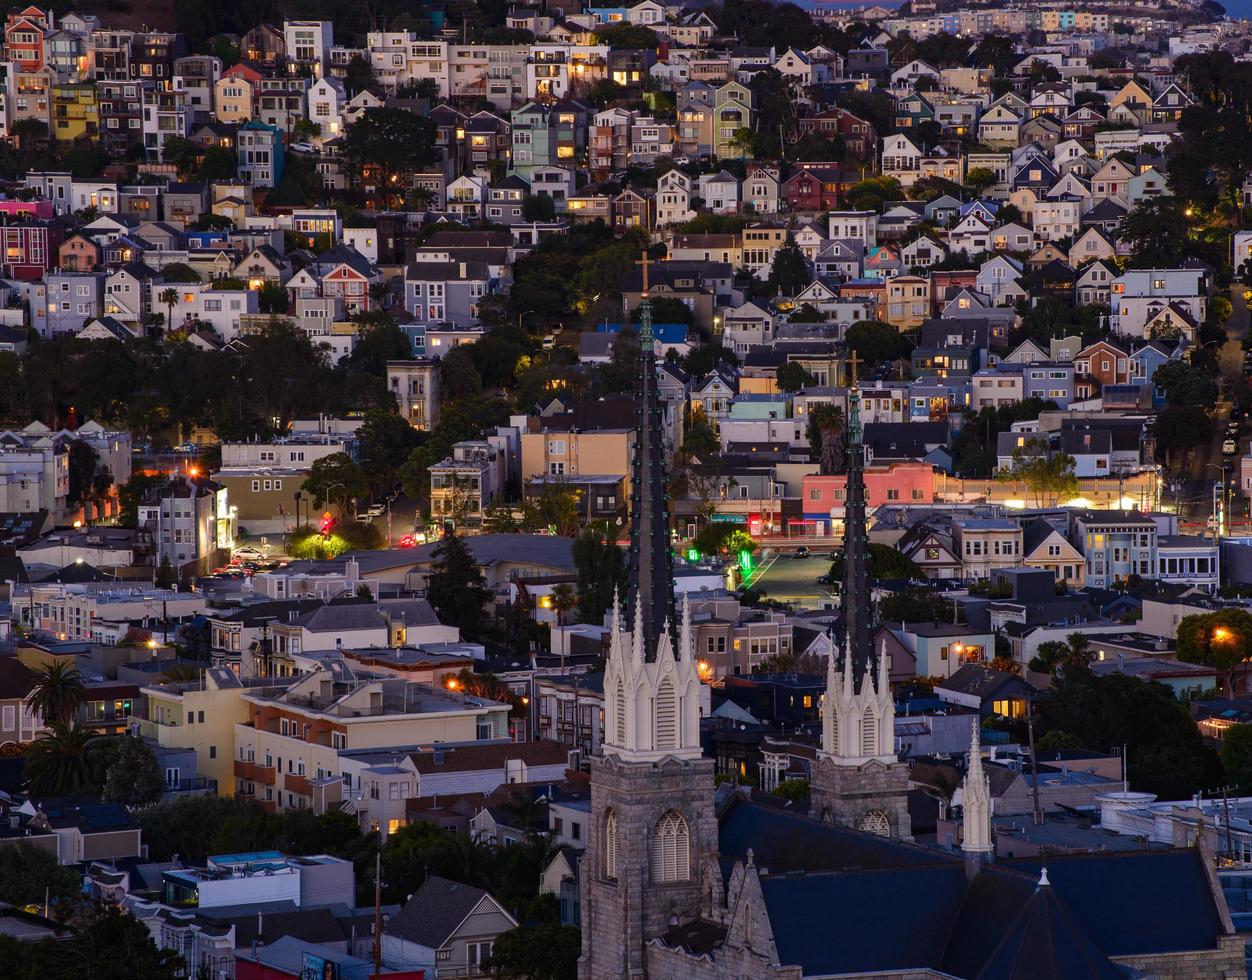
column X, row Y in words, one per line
column 201, row 716
column 287, row 752
column 561, row 453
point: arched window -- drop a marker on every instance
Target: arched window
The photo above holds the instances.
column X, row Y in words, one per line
column 610, row 844
column 869, row 733
column 619, row 715
column 670, row 849
column 875, row 822
column 666, row 716
column 833, row 708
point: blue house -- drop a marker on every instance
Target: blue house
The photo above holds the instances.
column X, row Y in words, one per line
column 1145, row 360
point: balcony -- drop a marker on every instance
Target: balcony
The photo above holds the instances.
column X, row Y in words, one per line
column 254, row 772
column 299, row 785
column 192, row 786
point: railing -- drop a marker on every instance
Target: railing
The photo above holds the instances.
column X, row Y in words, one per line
column 254, row 772
column 194, row 786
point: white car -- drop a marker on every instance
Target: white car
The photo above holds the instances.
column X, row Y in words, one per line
column 302, row 148
column 1230, row 446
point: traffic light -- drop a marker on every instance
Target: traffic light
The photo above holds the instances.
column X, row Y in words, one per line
column 328, row 523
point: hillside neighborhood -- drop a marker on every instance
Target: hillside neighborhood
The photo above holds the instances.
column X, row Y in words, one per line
column 556, row 490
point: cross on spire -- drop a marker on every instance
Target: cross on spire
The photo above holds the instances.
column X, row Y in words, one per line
column 645, row 262
column 645, row 306
column 853, row 361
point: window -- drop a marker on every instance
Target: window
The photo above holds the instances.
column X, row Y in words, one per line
column 670, row 844
column 666, row 716
column 610, row 844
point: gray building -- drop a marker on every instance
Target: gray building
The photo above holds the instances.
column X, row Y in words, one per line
column 73, row 298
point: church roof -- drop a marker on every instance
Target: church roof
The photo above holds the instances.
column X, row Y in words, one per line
column 832, row 896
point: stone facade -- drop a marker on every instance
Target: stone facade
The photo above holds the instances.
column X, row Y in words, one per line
column 864, row 797
column 1226, row 962
column 620, row 915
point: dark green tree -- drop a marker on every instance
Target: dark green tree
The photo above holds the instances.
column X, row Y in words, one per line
column 1237, row 756
column 789, row 272
column 134, row 778
column 165, row 575
column 877, row 342
column 540, row 952
column 59, row 763
column 393, row 140
column 792, row 376
column 26, row 872
column 456, row 587
column 59, row 690
column 601, row 567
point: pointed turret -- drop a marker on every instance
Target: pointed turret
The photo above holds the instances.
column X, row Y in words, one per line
column 976, row 819
column 651, row 565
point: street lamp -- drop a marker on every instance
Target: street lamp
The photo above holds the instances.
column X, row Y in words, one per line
column 522, row 314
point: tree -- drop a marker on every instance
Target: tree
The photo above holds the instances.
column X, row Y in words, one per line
column 179, row 272
column 218, row 163
column 273, row 298
column 540, row 952
column 456, row 587
column 335, row 478
column 1181, row 428
column 59, row 690
column 633, row 37
column 792, row 376
column 1221, row 640
column 978, row 179
column 789, row 272
column 876, row 342
column 554, row 508
column 1048, row 477
column 384, row 442
column 564, row 598
column 1186, row 385
column 165, row 576
column 111, row 944
column 1057, row 657
column 169, row 299
column 914, row 606
column 794, row 790
column 1237, row 756
column 458, row 375
column 1166, row 752
column 181, row 152
column 27, row 873
column 59, row 763
column 392, row 140
column 601, row 568
column 134, row 778
column 826, row 431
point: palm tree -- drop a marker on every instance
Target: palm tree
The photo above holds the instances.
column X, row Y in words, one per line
column 59, row 690
column 564, row 598
column 170, row 298
column 60, row 763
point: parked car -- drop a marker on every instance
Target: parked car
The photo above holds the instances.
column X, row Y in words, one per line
column 801, row 552
column 1230, row 446
column 302, row 148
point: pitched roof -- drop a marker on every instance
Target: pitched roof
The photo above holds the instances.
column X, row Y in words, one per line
column 16, row 679
column 434, row 912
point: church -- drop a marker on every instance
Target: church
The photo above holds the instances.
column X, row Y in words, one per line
column 680, row 883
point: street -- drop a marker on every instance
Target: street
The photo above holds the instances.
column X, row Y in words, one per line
column 793, row 580
column 1196, row 494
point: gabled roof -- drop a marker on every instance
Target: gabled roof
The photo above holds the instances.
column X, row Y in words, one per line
column 435, row 912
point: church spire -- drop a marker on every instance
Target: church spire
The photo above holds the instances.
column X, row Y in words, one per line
column 651, row 565
column 976, row 815
column 855, row 537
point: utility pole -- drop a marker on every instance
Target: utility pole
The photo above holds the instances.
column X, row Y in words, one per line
column 378, row 912
column 1230, row 849
column 1034, row 765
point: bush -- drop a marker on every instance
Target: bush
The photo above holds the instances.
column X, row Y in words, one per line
column 308, row 542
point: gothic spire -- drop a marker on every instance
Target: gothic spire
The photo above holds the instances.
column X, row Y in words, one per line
column 855, row 537
column 651, row 564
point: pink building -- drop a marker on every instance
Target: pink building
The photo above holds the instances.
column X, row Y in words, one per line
column 39, row 208
column 894, row 484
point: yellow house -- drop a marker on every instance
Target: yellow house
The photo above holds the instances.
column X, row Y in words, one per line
column 908, row 301
column 1133, row 95
column 75, row 112
column 201, row 717
column 232, row 99
column 571, row 453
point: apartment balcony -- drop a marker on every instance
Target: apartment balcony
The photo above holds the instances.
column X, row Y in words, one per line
column 254, row 772
column 193, row 786
column 299, row 785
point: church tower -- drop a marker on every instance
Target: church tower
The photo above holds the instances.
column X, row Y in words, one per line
column 652, row 840
column 857, row 779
